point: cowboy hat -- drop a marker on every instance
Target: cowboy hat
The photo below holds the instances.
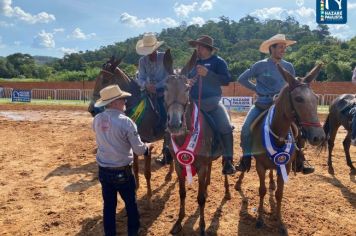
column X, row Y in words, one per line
column 204, row 40
column 148, row 44
column 278, row 38
column 109, row 94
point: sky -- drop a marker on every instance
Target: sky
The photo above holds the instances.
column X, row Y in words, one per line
column 58, row 27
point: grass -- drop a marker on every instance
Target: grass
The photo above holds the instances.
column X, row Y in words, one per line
column 22, row 80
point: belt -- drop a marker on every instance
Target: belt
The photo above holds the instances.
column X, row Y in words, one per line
column 128, row 167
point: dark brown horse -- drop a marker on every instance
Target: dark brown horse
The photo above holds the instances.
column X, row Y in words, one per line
column 148, row 117
column 296, row 103
column 179, row 124
column 339, row 116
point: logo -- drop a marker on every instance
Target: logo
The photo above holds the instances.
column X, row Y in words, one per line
column 331, row 11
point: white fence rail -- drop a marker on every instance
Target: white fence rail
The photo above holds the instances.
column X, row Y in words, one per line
column 85, row 94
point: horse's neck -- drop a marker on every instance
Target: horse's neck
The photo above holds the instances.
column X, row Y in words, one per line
column 281, row 121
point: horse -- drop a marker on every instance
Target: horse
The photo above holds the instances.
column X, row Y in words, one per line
column 297, row 103
column 139, row 108
column 339, row 116
column 181, row 112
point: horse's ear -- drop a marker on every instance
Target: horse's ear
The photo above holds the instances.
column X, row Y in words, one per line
column 191, row 63
column 286, row 75
column 312, row 74
column 168, row 61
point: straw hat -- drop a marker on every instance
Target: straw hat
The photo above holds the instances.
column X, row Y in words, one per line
column 204, row 40
column 278, row 38
column 109, row 94
column 148, row 44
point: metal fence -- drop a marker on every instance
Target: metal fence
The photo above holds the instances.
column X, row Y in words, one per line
column 55, row 94
column 85, row 95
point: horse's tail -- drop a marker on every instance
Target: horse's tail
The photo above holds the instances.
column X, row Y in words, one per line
column 326, row 127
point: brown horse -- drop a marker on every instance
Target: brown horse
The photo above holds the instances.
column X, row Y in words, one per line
column 179, row 124
column 296, row 102
column 339, row 116
column 112, row 74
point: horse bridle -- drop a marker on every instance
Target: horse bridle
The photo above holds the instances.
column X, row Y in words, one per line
column 299, row 122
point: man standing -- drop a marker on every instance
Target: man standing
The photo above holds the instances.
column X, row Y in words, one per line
column 152, row 76
column 269, row 83
column 213, row 72
column 117, row 139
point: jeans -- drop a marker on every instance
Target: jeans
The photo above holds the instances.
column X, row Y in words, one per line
column 122, row 181
column 221, row 119
column 246, row 139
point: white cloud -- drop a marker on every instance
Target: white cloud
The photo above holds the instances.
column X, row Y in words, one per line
column 4, row 24
column 68, row 50
column 58, row 30
column 303, row 14
column 8, row 10
column 341, row 31
column 17, row 43
column 207, row 5
column 44, row 40
column 134, row 21
column 351, row 5
column 183, row 10
column 197, row 21
column 299, row 3
column 79, row 34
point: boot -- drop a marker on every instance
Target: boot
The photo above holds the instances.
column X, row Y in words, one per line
column 307, row 168
column 244, row 165
column 228, row 144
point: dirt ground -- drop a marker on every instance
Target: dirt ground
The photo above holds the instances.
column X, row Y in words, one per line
column 49, row 186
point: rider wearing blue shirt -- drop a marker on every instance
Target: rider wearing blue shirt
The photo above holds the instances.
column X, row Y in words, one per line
column 213, row 72
column 268, row 83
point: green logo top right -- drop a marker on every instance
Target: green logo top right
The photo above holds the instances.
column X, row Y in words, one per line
column 331, row 11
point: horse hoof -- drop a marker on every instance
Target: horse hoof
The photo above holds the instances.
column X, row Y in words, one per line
column 168, row 177
column 283, row 231
column 227, row 196
column 259, row 224
column 353, row 172
column 176, row 229
column 331, row 171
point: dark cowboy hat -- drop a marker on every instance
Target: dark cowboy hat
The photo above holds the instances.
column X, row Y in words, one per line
column 204, row 40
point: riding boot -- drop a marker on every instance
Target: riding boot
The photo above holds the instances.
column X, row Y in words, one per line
column 228, row 143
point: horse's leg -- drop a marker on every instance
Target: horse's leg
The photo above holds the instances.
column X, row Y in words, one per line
column 279, row 196
column 148, row 177
column 331, row 141
column 135, row 170
column 170, row 171
column 347, row 143
column 227, row 188
column 239, row 181
column 272, row 184
column 182, row 194
column 202, row 175
column 261, row 171
column 208, row 177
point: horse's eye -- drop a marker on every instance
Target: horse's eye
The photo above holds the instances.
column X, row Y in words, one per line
column 299, row 99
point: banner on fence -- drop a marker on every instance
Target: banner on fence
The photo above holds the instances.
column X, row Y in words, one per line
column 21, row 95
column 241, row 104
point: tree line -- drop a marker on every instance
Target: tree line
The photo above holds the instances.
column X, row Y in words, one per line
column 238, row 44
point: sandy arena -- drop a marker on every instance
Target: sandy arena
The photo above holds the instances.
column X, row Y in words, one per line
column 49, row 185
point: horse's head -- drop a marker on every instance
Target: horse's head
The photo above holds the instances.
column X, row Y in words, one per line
column 303, row 104
column 112, row 74
column 176, row 95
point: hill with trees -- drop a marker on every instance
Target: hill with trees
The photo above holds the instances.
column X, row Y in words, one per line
column 238, row 44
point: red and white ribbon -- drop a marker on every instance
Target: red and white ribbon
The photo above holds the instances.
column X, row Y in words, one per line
column 186, row 153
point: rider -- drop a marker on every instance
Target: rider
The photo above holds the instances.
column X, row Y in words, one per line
column 152, row 76
column 214, row 73
column 268, row 83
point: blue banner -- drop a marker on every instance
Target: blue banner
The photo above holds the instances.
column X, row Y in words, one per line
column 21, row 95
column 331, row 11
